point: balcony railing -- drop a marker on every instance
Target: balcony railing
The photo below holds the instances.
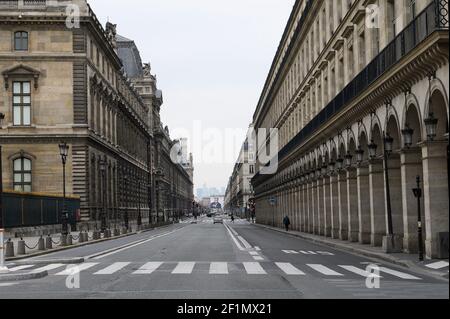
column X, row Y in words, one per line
column 433, row 18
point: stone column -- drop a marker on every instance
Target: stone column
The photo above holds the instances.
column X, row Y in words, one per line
column 364, row 204
column 301, row 207
column 334, row 195
column 435, row 186
column 342, row 202
column 411, row 162
column 352, row 205
column 327, row 206
column 321, row 205
column 313, row 199
column 395, row 185
column 377, row 202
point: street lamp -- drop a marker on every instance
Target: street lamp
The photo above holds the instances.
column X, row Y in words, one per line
column 431, row 126
column 359, row 155
column 407, row 136
column 64, row 151
column 331, row 165
column 418, row 194
column 3, row 268
column 126, row 220
column 103, row 172
column 348, row 159
column 324, row 170
column 339, row 163
column 372, row 150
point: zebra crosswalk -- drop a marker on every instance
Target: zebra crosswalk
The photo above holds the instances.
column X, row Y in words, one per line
column 218, row 268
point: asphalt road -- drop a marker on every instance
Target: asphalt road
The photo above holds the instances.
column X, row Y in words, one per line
column 231, row 261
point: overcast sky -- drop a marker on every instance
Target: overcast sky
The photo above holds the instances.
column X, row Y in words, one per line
column 211, row 59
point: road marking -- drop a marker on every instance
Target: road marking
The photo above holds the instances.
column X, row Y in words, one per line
column 324, row 270
column 234, row 239
column 184, row 268
column 438, row 265
column 289, row 269
column 257, row 248
column 254, row 253
column 18, row 268
column 47, row 268
column 8, row 284
column 218, row 269
column 128, row 246
column 258, row 258
column 326, row 253
column 360, row 272
column 292, row 252
column 399, row 274
column 112, row 269
column 76, row 269
column 246, row 244
column 148, row 268
column 254, row 269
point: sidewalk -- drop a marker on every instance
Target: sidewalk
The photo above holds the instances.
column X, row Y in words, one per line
column 436, row 268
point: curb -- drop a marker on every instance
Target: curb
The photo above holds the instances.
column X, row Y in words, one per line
column 23, row 276
column 50, row 251
column 403, row 263
column 64, row 261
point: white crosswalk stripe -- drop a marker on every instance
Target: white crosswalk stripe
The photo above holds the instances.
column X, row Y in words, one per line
column 48, row 268
column 254, row 269
column 361, row 272
column 324, row 270
column 184, row 268
column 218, row 269
column 76, row 269
column 18, row 268
column 148, row 268
column 438, row 265
column 398, row 274
column 291, row 252
column 289, row 269
column 112, row 269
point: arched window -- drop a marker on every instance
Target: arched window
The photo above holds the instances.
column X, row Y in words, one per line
column 21, row 41
column 22, row 174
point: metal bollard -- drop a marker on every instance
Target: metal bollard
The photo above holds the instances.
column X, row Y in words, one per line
column 85, row 237
column 116, row 232
column 63, row 240
column 21, row 247
column 107, row 234
column 97, row 235
column 48, row 242
column 124, row 231
column 81, row 238
column 41, row 244
column 69, row 240
column 9, row 252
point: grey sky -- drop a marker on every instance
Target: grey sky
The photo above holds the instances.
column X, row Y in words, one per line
column 211, row 59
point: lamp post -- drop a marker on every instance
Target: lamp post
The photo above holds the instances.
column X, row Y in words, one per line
column 3, row 268
column 63, row 151
column 126, row 220
column 103, row 172
column 388, row 141
column 418, row 194
column 139, row 218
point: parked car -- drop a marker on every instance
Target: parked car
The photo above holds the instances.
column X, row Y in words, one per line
column 218, row 220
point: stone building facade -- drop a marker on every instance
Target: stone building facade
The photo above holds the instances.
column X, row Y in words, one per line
column 239, row 190
column 64, row 81
column 355, row 89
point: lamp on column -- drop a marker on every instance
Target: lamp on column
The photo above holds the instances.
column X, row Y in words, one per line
column 431, row 126
column 359, row 155
column 103, row 172
column 348, row 159
column 407, row 135
column 339, row 163
column 372, row 150
column 64, row 152
column 324, row 170
column 332, row 167
column 388, row 142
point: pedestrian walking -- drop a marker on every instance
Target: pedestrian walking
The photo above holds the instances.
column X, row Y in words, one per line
column 286, row 222
column 232, row 219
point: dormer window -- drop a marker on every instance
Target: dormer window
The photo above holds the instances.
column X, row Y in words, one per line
column 21, row 41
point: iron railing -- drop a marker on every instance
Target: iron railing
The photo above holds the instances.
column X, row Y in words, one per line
column 433, row 18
